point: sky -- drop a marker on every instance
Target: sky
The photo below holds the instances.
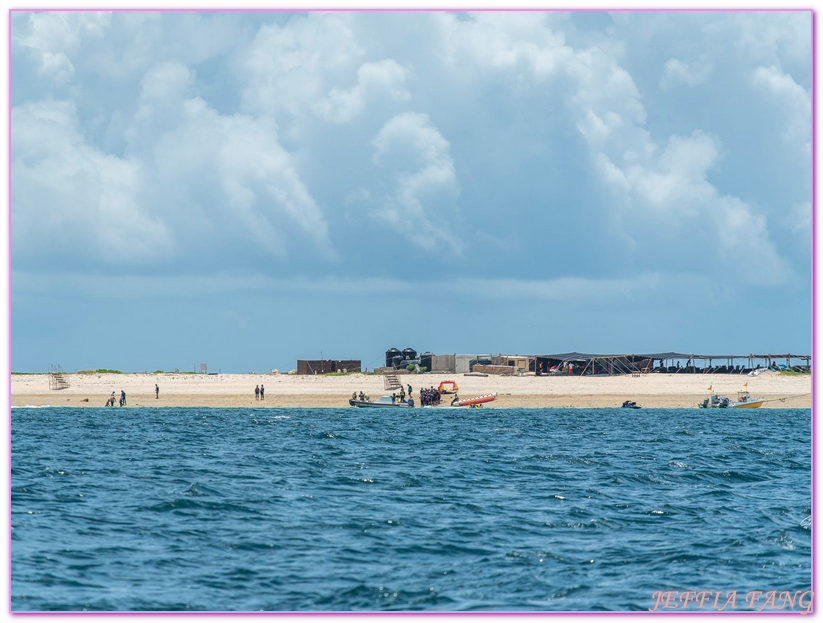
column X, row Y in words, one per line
column 245, row 189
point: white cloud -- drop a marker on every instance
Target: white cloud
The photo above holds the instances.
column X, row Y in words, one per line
column 664, row 199
column 503, row 41
column 671, row 199
column 289, row 68
column 234, row 162
column 54, row 36
column 677, row 72
column 417, row 163
column 386, row 77
column 794, row 101
column 71, row 200
column 190, row 182
column 231, row 151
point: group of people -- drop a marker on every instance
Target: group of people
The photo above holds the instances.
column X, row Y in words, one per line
column 430, row 396
column 112, row 398
column 401, row 395
column 259, row 392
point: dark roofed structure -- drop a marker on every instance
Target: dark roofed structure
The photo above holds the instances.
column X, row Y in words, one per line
column 638, row 363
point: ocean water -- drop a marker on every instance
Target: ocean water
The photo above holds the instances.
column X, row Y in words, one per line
column 350, row 509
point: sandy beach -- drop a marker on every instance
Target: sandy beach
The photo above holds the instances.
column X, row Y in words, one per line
column 284, row 390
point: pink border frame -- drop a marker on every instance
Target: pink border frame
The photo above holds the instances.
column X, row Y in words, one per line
column 497, row 613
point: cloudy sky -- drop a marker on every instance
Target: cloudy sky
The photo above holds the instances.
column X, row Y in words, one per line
column 250, row 188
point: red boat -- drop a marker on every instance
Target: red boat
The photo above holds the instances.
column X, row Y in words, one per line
column 477, row 400
column 447, row 387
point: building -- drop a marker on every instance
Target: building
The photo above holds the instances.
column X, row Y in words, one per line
column 458, row 364
column 326, row 366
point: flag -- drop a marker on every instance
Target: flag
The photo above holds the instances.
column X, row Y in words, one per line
column 709, row 388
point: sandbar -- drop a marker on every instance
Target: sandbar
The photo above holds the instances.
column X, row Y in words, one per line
column 288, row 390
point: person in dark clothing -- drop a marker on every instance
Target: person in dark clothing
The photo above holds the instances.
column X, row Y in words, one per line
column 262, row 392
column 122, row 398
column 257, row 392
column 156, row 391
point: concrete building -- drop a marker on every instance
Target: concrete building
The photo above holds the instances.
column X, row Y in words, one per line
column 325, row 366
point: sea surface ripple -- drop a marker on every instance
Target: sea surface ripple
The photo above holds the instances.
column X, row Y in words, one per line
column 350, row 509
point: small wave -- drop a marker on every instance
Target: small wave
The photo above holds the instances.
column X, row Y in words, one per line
column 38, row 407
column 189, row 503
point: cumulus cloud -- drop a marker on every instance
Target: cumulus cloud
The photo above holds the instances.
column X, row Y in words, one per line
column 792, row 99
column 289, row 68
column 670, row 201
column 665, row 197
column 386, row 77
column 189, row 177
column 235, row 162
column 416, row 161
column 54, row 37
column 680, row 73
column 73, row 201
column 250, row 135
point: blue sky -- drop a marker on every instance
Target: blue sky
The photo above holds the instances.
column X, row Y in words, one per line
column 251, row 188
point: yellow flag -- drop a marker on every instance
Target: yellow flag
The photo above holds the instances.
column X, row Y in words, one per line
column 709, row 388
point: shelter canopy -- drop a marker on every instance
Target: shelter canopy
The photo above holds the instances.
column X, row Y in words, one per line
column 575, row 356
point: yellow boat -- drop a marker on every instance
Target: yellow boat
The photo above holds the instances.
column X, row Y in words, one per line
column 745, row 401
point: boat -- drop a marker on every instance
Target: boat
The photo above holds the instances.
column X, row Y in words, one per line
column 714, row 401
column 745, row 401
column 476, row 401
column 629, row 404
column 383, row 401
column 447, row 387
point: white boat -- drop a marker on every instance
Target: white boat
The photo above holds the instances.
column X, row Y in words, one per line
column 715, row 401
column 745, row 401
column 383, row 401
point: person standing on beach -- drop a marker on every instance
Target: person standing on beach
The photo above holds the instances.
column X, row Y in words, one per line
column 122, row 398
column 262, row 392
column 257, row 392
column 156, row 391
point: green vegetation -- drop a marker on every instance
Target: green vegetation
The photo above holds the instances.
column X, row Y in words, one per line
column 793, row 373
column 99, row 371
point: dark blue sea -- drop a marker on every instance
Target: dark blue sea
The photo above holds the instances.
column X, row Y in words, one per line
column 350, row 509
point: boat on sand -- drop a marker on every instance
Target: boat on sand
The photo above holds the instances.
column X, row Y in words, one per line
column 475, row 401
column 743, row 401
column 383, row 401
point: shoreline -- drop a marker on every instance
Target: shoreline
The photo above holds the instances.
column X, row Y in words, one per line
column 292, row 391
